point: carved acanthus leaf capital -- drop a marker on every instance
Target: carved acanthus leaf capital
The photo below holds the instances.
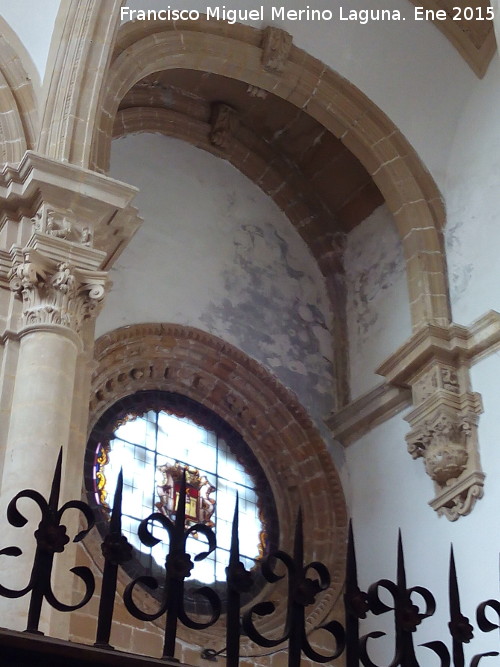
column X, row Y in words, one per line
column 55, row 292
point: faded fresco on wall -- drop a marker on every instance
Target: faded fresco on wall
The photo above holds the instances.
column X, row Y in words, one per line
column 214, row 252
column 378, row 315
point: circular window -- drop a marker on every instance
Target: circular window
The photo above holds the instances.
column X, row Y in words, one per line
column 154, row 436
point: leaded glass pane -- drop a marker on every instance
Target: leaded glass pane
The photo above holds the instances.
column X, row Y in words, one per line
column 151, row 448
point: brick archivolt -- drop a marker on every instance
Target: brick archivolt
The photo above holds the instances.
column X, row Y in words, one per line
column 290, row 450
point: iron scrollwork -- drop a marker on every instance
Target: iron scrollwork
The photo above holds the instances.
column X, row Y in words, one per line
column 407, row 615
column 51, row 538
column 304, row 582
column 302, row 591
column 116, row 550
column 178, row 566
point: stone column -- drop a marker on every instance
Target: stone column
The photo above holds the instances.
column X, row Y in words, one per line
column 57, row 297
column 61, row 230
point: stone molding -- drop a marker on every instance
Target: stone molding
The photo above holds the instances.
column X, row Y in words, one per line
column 235, row 52
column 362, row 414
column 18, row 107
column 467, row 344
column 474, row 39
column 86, row 32
column 186, row 360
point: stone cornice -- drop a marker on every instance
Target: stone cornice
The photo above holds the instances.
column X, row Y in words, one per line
column 434, row 342
column 35, row 171
column 86, row 259
column 367, row 411
column 466, row 344
column 82, row 200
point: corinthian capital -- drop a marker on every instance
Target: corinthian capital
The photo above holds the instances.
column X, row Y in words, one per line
column 55, row 292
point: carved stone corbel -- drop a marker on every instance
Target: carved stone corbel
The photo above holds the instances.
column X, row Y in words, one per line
column 444, row 434
column 223, row 125
column 444, row 418
column 276, row 47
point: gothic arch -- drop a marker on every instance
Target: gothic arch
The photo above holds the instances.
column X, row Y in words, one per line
column 193, row 363
column 18, row 109
column 79, row 58
column 235, row 52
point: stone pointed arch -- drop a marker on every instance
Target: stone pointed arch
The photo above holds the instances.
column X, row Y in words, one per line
column 18, row 107
column 81, row 50
column 235, row 52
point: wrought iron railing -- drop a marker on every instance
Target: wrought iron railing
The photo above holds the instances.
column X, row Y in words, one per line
column 302, row 590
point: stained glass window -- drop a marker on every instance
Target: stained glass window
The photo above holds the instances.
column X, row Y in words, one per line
column 153, row 439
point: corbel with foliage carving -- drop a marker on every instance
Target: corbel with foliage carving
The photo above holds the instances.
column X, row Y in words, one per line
column 445, row 415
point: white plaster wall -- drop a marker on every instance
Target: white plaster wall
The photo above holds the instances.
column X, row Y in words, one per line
column 472, row 195
column 390, row 491
column 408, row 68
column 378, row 313
column 33, row 21
column 216, row 253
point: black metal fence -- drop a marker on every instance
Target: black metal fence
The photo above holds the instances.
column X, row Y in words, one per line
column 304, row 583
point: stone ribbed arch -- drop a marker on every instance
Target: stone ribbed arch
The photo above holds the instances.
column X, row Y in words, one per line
column 80, row 55
column 289, row 448
column 235, row 52
column 18, row 109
